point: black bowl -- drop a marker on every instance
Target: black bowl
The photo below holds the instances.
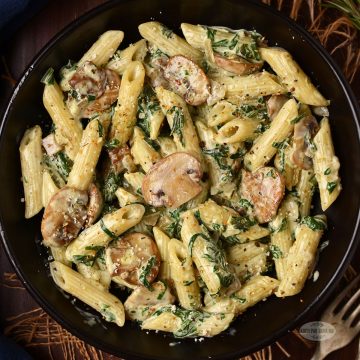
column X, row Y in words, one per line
column 265, row 322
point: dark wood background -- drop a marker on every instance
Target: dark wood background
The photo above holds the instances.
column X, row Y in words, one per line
column 15, row 300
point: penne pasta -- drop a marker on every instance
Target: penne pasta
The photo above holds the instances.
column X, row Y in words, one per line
column 100, row 234
column 68, row 130
column 180, row 122
column 267, row 143
column 301, row 256
column 31, row 168
column 292, row 76
column 83, row 170
column 103, row 48
column 124, row 118
column 122, row 58
column 167, row 41
column 326, row 166
column 109, row 306
column 183, row 275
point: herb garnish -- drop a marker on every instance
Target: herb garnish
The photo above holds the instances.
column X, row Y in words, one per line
column 331, row 185
column 314, row 222
column 276, row 252
column 178, row 123
column 145, row 272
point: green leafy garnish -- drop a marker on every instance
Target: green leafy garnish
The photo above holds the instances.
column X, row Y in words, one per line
column 327, row 171
column 48, row 78
column 276, row 252
column 145, row 272
column 161, row 295
column 243, row 223
column 297, row 119
column 107, row 314
column 111, row 183
column 152, row 143
column 112, row 144
column 314, row 223
column 331, row 185
column 106, row 230
column 178, row 123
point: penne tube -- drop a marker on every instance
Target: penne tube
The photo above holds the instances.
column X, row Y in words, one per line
column 49, row 188
column 256, row 289
column 109, row 306
column 103, row 48
column 59, row 254
column 162, row 242
column 174, row 319
column 126, row 198
column 135, row 181
column 143, row 151
column 167, row 41
column 267, row 143
column 305, row 190
column 180, row 122
column 124, row 118
column 281, row 241
column 292, row 76
column 207, row 255
column 167, row 145
column 68, row 131
column 134, row 52
column 183, row 275
column 237, row 130
column 101, row 233
column 244, row 252
column 326, row 166
column 251, row 267
column 83, row 170
column 31, row 169
column 250, row 86
column 302, row 255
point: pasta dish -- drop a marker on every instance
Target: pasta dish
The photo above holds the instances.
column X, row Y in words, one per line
column 181, row 170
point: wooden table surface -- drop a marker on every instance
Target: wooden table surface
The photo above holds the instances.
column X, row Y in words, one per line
column 14, row 300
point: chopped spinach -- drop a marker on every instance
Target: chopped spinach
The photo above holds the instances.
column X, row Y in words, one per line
column 314, row 222
column 276, row 252
column 111, row 182
column 178, row 123
column 331, row 185
column 145, row 272
column 112, row 144
column 242, row 223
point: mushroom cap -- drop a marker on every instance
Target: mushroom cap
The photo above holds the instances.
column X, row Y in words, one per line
column 129, row 256
column 187, row 79
column 236, row 65
column 64, row 216
column 172, row 181
column 264, row 188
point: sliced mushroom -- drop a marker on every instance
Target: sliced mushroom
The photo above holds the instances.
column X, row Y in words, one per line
column 135, row 258
column 236, row 65
column 89, row 80
column 96, row 89
column 64, row 216
column 172, row 181
column 96, row 203
column 274, row 104
column 121, row 159
column 187, row 79
column 109, row 96
column 304, row 131
column 264, row 188
column 143, row 302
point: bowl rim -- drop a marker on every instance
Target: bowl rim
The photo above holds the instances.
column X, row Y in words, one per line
column 313, row 305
